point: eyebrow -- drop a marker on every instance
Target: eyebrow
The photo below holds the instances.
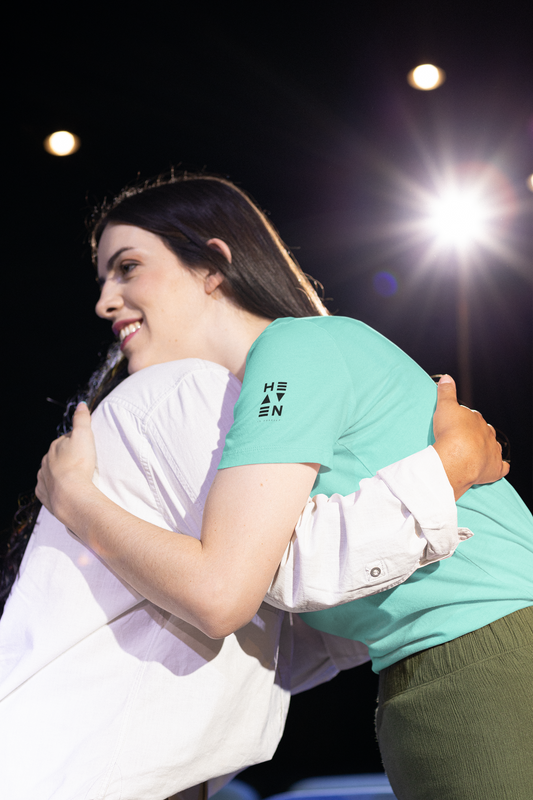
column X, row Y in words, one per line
column 111, row 262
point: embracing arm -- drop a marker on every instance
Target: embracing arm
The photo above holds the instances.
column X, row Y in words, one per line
column 218, row 583
column 405, row 517
column 347, row 547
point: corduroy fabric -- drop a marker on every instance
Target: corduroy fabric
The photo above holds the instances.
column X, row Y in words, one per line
column 455, row 722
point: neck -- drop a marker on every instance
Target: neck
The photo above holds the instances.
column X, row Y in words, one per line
column 233, row 335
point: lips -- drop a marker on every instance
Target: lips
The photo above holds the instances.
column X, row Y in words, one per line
column 125, row 329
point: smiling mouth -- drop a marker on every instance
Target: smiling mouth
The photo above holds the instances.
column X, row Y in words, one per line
column 127, row 332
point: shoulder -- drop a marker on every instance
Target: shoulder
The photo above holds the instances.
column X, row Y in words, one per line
column 306, row 333
column 298, row 346
column 320, row 326
column 297, row 394
column 175, row 382
column 162, row 431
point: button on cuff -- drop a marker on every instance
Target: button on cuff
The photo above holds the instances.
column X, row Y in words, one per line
column 375, row 571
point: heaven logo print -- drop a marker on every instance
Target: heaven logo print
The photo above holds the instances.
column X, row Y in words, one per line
column 273, row 393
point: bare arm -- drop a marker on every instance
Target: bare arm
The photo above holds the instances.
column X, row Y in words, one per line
column 219, row 582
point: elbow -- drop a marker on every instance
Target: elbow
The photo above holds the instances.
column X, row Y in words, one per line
column 218, row 626
column 218, row 619
column 218, row 629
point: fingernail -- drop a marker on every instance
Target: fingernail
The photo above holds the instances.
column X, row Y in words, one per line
column 445, row 379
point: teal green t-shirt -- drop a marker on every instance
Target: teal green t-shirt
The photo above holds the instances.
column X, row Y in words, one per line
column 331, row 390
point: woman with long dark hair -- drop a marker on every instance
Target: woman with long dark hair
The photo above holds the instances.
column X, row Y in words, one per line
column 191, row 269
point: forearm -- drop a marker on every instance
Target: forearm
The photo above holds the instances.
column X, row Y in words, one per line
column 372, row 540
column 170, row 569
column 218, row 583
column 340, row 544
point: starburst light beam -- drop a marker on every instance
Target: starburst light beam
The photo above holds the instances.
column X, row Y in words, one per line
column 458, row 219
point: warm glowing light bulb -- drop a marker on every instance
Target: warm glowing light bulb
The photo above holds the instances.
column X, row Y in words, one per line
column 530, row 183
column 61, row 143
column 426, row 77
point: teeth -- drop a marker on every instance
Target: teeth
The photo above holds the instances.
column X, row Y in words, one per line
column 123, row 332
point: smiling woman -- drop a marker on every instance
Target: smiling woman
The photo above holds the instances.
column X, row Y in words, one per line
column 163, row 311
column 203, row 294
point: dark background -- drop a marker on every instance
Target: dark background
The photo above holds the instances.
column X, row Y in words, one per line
column 309, row 110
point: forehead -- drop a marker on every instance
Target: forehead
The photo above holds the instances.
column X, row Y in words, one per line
column 118, row 239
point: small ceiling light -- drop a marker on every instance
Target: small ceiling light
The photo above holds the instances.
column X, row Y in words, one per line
column 530, row 183
column 426, row 77
column 61, row 143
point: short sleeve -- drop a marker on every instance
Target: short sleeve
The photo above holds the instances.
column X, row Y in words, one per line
column 296, row 400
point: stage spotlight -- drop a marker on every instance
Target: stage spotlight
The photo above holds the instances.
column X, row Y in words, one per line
column 530, row 183
column 426, row 77
column 61, row 143
column 458, row 218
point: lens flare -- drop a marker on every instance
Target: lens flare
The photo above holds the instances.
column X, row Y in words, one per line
column 469, row 208
column 385, row 284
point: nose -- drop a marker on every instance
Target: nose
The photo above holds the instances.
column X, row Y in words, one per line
column 110, row 300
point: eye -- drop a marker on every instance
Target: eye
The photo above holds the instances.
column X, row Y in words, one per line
column 127, row 267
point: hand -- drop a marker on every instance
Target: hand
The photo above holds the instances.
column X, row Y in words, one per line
column 465, row 443
column 68, row 467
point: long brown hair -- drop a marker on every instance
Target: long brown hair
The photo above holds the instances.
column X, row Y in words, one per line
column 188, row 210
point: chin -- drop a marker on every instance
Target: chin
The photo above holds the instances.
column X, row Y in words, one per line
column 134, row 366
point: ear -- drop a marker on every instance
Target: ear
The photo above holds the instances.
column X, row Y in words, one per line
column 212, row 282
column 221, row 246
column 214, row 279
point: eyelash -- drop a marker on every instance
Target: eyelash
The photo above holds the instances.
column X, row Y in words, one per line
column 126, row 267
column 123, row 269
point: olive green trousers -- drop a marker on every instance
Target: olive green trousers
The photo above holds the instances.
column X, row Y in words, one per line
column 455, row 722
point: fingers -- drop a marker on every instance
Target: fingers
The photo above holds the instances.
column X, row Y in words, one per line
column 40, row 489
column 493, row 431
column 82, row 416
column 446, row 392
column 471, row 435
column 446, row 387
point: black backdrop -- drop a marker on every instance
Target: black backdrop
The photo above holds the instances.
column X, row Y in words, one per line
column 308, row 110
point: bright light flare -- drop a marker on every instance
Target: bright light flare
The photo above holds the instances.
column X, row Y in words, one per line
column 465, row 210
column 469, row 209
column 61, row 143
column 426, row 77
column 458, row 218
column 530, row 183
